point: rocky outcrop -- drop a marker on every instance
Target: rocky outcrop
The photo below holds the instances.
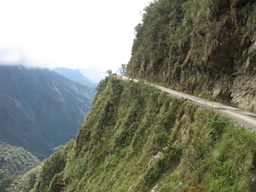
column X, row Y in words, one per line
column 244, row 86
column 205, row 48
column 239, row 82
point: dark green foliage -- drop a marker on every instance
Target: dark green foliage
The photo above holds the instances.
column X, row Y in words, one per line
column 190, row 44
column 46, row 176
column 24, row 182
column 125, row 136
column 51, row 167
column 40, row 109
column 218, row 124
column 102, row 84
column 5, row 183
column 14, row 159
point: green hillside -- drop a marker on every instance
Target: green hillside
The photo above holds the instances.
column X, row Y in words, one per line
column 136, row 138
column 40, row 109
column 13, row 159
column 39, row 178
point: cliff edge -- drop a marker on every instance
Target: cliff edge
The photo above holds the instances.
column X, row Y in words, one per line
column 207, row 48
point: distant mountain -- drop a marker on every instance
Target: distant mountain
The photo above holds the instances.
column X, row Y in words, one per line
column 72, row 74
column 40, row 109
column 94, row 74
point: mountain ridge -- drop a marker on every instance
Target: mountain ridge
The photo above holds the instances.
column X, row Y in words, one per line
column 35, row 102
column 72, row 73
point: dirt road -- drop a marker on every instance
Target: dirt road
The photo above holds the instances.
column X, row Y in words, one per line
column 240, row 117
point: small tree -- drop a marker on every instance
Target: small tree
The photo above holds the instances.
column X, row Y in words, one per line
column 122, row 70
column 109, row 72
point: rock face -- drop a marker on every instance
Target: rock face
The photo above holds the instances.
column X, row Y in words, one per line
column 207, row 48
column 239, row 82
column 244, row 86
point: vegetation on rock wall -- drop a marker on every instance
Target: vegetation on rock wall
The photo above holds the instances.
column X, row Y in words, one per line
column 200, row 46
column 136, row 138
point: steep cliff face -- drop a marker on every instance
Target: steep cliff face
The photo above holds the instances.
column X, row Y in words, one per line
column 136, row 138
column 205, row 47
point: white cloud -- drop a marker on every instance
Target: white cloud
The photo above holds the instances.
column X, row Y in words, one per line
column 11, row 57
column 69, row 33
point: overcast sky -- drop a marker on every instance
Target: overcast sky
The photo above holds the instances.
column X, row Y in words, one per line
column 68, row 33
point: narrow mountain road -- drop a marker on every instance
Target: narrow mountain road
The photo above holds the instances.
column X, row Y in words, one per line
column 239, row 116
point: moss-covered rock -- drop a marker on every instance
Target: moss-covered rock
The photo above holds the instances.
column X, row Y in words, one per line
column 204, row 47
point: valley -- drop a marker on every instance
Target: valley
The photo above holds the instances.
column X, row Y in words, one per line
column 164, row 127
column 40, row 109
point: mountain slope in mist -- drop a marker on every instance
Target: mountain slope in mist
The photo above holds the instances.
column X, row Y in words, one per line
column 72, row 74
column 40, row 109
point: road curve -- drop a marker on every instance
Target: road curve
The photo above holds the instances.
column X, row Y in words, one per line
column 239, row 116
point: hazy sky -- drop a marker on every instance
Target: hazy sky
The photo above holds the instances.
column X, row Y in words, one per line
column 68, row 33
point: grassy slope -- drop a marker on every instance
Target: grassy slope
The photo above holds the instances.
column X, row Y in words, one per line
column 137, row 138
